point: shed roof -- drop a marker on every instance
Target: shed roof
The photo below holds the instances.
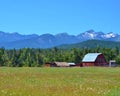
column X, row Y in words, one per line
column 90, row 57
column 62, row 64
column 71, row 63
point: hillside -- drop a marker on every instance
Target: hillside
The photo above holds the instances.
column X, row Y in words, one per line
column 91, row 44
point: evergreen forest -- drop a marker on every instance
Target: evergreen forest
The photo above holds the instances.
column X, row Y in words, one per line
column 30, row 57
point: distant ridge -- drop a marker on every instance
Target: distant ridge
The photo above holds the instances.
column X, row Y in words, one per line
column 91, row 44
column 16, row 40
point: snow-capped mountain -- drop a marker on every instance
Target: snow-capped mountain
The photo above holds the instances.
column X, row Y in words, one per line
column 16, row 40
column 91, row 34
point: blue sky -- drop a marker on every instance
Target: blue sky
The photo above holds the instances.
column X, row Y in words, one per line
column 57, row 16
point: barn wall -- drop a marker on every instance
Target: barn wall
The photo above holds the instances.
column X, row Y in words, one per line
column 88, row 63
column 100, row 60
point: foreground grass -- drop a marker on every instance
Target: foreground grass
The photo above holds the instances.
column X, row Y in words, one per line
column 60, row 81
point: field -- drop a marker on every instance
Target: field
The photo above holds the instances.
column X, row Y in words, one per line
column 59, row 81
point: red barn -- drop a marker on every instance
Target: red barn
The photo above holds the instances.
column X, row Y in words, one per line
column 94, row 59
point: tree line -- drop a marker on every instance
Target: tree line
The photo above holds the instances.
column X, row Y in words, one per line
column 30, row 57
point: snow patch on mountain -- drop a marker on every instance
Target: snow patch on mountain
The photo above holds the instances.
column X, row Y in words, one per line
column 110, row 35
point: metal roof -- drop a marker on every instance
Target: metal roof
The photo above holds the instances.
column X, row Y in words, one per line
column 90, row 57
column 71, row 63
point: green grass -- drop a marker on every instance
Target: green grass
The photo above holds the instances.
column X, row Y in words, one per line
column 26, row 81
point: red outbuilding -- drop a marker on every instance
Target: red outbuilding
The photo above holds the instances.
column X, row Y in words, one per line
column 94, row 59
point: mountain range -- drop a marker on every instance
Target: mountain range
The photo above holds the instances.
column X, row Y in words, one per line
column 16, row 40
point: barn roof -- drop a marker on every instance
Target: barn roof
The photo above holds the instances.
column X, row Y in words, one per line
column 90, row 57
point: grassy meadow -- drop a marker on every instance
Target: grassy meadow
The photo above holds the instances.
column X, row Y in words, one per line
column 28, row 81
